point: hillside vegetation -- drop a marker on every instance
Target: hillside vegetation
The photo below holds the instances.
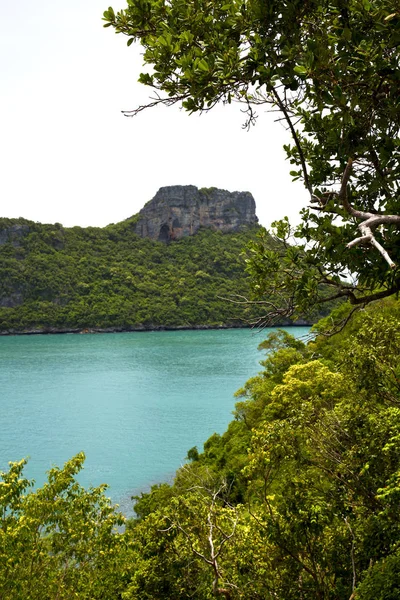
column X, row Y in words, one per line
column 56, row 278
column 298, row 499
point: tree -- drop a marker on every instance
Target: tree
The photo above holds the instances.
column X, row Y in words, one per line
column 323, row 462
column 317, row 516
column 59, row 541
column 196, row 544
column 331, row 69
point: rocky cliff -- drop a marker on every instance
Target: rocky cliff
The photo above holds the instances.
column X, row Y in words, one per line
column 13, row 233
column 179, row 211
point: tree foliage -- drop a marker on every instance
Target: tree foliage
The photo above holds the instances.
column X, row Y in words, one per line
column 331, row 69
column 59, row 541
column 308, row 472
column 55, row 278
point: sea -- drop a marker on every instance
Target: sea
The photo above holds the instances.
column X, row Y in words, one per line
column 135, row 402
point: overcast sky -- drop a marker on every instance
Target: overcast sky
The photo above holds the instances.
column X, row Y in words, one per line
column 67, row 153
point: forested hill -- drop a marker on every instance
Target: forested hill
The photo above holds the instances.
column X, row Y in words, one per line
column 54, row 278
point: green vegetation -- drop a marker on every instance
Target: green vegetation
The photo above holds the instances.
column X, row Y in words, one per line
column 59, row 541
column 331, row 69
column 297, row 499
column 56, row 278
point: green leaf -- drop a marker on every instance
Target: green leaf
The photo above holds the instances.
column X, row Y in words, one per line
column 145, row 78
column 300, row 70
column 203, row 65
column 347, row 34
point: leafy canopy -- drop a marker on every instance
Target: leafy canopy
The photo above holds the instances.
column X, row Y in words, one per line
column 54, row 278
column 331, row 69
column 299, row 497
column 59, row 541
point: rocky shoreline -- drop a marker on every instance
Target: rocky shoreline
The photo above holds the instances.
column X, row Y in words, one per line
column 141, row 328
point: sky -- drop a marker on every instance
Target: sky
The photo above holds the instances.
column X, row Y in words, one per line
column 67, row 153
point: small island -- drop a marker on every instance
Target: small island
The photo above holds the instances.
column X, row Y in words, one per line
column 177, row 264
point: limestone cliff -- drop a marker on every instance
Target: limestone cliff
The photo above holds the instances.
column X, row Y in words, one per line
column 179, row 211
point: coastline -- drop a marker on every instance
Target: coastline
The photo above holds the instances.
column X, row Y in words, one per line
column 141, row 328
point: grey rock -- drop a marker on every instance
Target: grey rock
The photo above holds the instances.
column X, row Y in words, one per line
column 179, row 211
column 13, row 234
column 11, row 301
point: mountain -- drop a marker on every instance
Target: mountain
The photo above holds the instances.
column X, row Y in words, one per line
column 147, row 272
column 181, row 210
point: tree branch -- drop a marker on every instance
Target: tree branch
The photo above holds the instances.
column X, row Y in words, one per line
column 155, row 102
column 370, row 220
column 353, row 562
column 368, row 237
column 283, row 108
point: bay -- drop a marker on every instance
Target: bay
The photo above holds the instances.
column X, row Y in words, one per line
column 133, row 402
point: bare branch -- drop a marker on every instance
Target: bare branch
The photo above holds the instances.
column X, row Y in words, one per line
column 353, row 564
column 343, row 194
column 370, row 220
column 369, row 238
column 374, row 296
column 340, row 326
column 155, row 101
column 283, row 108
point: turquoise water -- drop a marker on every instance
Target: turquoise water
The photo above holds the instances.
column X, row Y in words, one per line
column 133, row 402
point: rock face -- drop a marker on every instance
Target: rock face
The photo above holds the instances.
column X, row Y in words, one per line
column 179, row 211
column 13, row 234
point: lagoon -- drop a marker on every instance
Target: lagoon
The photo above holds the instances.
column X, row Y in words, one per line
column 133, row 402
